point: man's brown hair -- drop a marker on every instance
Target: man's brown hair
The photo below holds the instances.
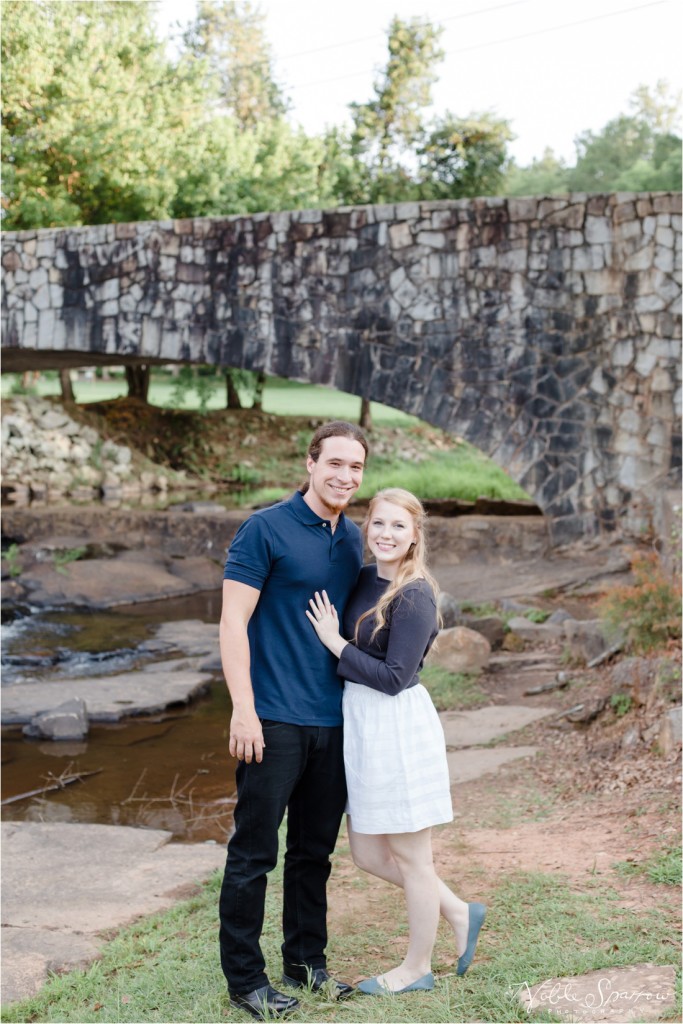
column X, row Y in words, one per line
column 336, row 428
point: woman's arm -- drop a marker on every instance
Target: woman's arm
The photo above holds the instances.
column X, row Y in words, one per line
column 413, row 622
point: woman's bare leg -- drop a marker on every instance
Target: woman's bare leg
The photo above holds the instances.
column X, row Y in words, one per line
column 372, row 853
column 412, row 853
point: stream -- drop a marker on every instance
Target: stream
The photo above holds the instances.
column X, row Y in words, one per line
column 170, row 770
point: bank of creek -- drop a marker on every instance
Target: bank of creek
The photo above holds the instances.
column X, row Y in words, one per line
column 92, row 619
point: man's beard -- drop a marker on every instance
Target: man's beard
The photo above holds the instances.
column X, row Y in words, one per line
column 334, row 509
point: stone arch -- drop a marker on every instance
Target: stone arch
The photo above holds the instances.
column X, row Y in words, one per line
column 545, row 331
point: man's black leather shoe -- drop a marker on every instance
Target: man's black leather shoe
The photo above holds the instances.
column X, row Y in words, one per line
column 300, row 976
column 264, row 1003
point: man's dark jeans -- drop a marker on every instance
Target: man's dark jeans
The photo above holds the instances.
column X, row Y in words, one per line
column 302, row 770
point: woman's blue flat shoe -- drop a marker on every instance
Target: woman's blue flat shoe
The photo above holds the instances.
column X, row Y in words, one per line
column 372, row 987
column 477, row 913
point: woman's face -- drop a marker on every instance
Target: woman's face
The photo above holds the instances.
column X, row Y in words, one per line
column 391, row 531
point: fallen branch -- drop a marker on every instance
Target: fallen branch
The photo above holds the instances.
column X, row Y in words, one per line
column 614, row 649
column 554, row 684
column 57, row 784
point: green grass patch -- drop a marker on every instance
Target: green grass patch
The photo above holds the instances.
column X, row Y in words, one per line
column 166, row 968
column 408, row 460
column 282, row 397
column 64, row 557
column 451, row 689
column 463, row 473
column 663, row 867
column 12, row 559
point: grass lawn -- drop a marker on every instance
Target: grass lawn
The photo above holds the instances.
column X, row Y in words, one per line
column 539, row 926
column 432, row 471
column 281, row 397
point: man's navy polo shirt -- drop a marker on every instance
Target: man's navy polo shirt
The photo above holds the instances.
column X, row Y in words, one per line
column 288, row 552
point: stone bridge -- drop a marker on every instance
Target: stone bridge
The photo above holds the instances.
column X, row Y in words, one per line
column 545, row 331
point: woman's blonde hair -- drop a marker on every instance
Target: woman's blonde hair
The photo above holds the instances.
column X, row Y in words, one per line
column 414, row 564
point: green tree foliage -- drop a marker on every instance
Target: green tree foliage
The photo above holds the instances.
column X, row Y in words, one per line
column 388, row 126
column 230, row 35
column 634, row 152
column 94, row 115
column 394, row 152
column 271, row 167
column 463, row 158
column 101, row 125
column 544, row 176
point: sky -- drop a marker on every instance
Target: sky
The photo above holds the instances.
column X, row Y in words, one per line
column 553, row 69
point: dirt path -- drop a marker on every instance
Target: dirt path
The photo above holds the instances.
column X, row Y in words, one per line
column 561, row 812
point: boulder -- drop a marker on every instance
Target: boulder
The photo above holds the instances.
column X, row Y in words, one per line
column 559, row 616
column 489, row 626
column 669, row 738
column 68, row 721
column 586, row 639
column 449, row 609
column 461, row 650
column 667, row 682
column 636, row 677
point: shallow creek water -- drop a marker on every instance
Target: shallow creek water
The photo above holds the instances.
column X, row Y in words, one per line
column 171, row 770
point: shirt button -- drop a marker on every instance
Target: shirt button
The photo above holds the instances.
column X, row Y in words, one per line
column 324, row 524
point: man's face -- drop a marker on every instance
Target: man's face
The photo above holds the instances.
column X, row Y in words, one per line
column 336, row 476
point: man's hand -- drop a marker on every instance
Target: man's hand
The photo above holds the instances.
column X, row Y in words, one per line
column 246, row 737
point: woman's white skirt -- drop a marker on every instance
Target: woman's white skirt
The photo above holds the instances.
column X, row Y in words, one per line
column 395, row 757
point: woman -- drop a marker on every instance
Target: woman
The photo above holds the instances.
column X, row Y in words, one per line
column 394, row 749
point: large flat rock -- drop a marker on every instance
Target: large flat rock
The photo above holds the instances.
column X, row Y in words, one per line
column 107, row 698
column 473, row 728
column 466, row 765
column 64, row 884
column 130, row 578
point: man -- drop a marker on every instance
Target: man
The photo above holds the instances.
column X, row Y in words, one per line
column 286, row 726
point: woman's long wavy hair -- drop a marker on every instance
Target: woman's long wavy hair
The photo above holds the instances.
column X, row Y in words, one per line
column 414, row 565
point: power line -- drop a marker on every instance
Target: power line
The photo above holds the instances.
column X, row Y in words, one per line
column 495, row 42
column 369, row 39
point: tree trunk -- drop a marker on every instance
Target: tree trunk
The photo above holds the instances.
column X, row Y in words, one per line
column 137, row 378
column 258, row 390
column 365, row 421
column 232, row 395
column 66, row 386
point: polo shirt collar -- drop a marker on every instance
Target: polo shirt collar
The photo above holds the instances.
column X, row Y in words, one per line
column 305, row 513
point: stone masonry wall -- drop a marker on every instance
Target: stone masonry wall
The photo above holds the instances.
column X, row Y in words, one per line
column 546, row 331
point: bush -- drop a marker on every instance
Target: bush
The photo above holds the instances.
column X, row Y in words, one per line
column 647, row 612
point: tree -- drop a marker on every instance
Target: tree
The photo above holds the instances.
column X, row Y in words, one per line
column 463, row 158
column 603, row 156
column 232, row 395
column 657, row 108
column 93, row 113
column 230, row 34
column 137, row 378
column 259, row 388
column 65, row 385
column 271, row 167
column 388, row 127
column 633, row 151
column 543, row 177
column 394, row 152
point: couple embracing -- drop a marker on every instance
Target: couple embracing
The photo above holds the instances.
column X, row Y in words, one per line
column 310, row 639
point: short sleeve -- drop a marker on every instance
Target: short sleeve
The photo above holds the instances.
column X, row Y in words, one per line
column 250, row 555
